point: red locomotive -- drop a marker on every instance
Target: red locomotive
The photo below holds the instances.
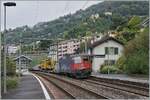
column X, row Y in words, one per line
column 78, row 66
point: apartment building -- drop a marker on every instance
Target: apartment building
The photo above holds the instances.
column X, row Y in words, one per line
column 64, row 47
column 68, row 47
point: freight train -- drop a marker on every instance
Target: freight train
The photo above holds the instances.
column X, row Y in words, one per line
column 48, row 64
column 78, row 66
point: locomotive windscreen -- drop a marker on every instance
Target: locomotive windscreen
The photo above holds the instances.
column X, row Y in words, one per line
column 77, row 60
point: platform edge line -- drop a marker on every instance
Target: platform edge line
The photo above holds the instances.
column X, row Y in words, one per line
column 43, row 88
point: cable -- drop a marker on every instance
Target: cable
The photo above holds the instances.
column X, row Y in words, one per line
column 66, row 6
column 85, row 4
column 37, row 11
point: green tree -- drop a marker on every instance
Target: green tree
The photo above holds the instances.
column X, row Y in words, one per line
column 136, row 54
column 11, row 66
column 134, row 21
column 44, row 44
column 130, row 29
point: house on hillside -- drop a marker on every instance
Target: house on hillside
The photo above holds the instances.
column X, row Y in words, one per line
column 22, row 62
column 53, row 52
column 12, row 49
column 108, row 46
column 144, row 24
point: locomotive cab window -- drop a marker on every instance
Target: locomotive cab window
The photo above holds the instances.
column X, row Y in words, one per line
column 85, row 59
column 77, row 59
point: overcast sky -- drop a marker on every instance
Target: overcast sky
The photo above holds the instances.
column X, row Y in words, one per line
column 31, row 12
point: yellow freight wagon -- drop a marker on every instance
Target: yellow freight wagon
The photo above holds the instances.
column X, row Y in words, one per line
column 48, row 64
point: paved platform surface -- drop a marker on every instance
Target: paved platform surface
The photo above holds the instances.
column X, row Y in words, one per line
column 28, row 88
column 135, row 78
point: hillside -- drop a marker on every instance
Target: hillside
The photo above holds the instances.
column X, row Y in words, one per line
column 83, row 22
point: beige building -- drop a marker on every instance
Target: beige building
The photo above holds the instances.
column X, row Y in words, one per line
column 64, row 47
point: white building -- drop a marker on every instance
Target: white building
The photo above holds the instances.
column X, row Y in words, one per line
column 68, row 47
column 53, row 52
column 12, row 49
column 22, row 63
column 64, row 47
column 108, row 46
column 108, row 13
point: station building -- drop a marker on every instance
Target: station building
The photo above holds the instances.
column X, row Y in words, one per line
column 108, row 46
column 23, row 62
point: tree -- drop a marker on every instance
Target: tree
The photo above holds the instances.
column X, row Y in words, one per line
column 11, row 66
column 136, row 54
column 134, row 21
column 129, row 30
column 44, row 44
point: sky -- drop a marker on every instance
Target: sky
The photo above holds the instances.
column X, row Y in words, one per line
column 31, row 12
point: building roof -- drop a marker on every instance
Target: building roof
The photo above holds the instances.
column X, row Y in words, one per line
column 103, row 40
column 145, row 23
column 90, row 55
column 24, row 57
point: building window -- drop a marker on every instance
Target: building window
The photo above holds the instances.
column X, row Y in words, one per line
column 106, row 50
column 109, row 62
column 111, row 50
column 65, row 47
column 116, row 51
column 77, row 60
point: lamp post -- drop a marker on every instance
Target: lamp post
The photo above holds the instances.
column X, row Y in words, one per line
column 7, row 4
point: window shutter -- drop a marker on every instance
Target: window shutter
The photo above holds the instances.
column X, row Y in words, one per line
column 116, row 51
column 106, row 50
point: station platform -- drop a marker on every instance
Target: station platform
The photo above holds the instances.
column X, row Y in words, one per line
column 133, row 78
column 29, row 87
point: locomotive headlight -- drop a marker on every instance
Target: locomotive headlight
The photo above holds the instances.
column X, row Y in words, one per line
column 82, row 65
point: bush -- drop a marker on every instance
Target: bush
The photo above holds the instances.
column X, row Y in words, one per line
column 111, row 69
column 120, row 63
column 137, row 63
column 11, row 67
column 134, row 21
column 12, row 82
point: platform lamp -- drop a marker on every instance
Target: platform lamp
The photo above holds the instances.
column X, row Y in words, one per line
column 7, row 4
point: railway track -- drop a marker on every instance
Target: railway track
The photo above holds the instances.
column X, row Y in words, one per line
column 117, row 81
column 74, row 90
column 132, row 87
column 94, row 88
column 54, row 90
column 110, row 91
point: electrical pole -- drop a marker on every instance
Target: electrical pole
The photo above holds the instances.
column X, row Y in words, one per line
column 57, row 52
column 0, row 57
column 108, row 57
column 4, row 46
column 85, row 45
column 109, row 18
column 20, row 56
